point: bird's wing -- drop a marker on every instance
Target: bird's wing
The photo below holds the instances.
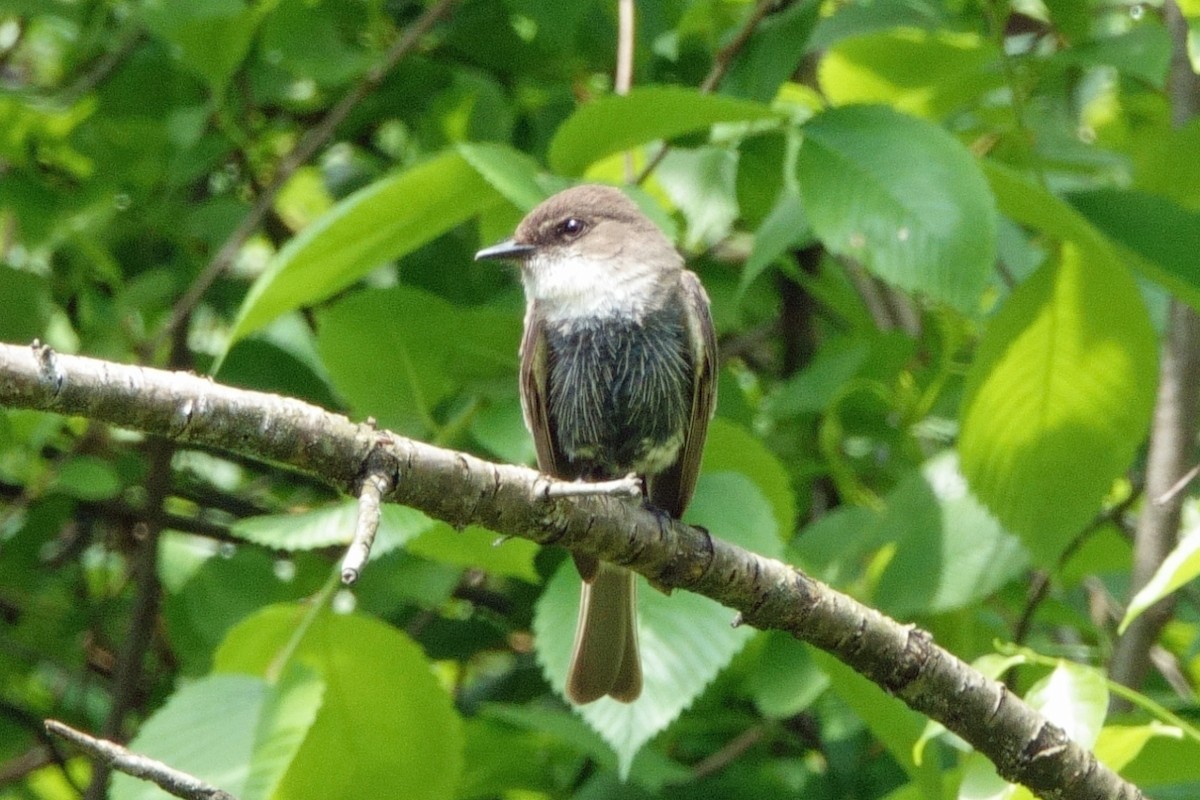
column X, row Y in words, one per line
column 534, row 369
column 671, row 490
column 533, row 393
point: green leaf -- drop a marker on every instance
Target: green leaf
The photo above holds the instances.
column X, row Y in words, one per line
column 1166, row 761
column 1058, row 399
column 772, row 54
column 615, row 123
column 236, row 732
column 901, row 196
column 210, row 37
column 870, row 354
column 760, row 174
column 1163, row 236
column 856, row 19
column 1094, row 227
column 27, row 305
column 730, row 447
column 280, row 359
column 220, row 593
column 332, row 524
column 1143, row 52
column 397, row 353
column 685, row 639
column 291, row 707
column 311, row 41
column 510, row 172
column 784, row 227
column 833, row 548
column 478, row 548
column 391, row 723
column 701, row 183
column 1180, row 566
column 1073, row 697
column 1157, row 167
column 927, row 73
column 785, row 680
column 384, row 221
column 87, row 478
column 500, row 427
column 1118, row 745
column 895, row 726
column 950, row 552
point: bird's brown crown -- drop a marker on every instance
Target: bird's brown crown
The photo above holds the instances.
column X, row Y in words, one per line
column 572, row 213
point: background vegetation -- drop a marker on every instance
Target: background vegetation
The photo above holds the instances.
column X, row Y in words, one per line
column 945, row 243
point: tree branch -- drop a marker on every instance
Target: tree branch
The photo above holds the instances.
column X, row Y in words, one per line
column 117, row 757
column 462, row 489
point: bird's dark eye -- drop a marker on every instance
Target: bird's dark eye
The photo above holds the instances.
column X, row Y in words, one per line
column 571, row 227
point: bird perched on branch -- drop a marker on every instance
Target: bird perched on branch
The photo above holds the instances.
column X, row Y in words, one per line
column 618, row 366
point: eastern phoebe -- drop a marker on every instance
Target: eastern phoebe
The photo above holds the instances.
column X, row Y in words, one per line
column 618, row 368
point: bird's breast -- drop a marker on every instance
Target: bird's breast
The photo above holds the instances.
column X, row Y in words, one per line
column 619, row 391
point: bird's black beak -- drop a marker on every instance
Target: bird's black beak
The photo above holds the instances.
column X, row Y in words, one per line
column 509, row 248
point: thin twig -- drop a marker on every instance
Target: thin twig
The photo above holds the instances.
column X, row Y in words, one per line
column 127, row 682
column 117, row 757
column 1040, row 586
column 102, row 68
column 731, row 752
column 128, row 676
column 624, row 77
column 41, row 755
column 1178, row 486
column 721, row 66
column 374, row 486
column 308, row 145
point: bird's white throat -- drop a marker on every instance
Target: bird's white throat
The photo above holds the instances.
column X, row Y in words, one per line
column 570, row 287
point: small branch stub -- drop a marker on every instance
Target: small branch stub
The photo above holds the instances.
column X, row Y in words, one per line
column 170, row 780
column 375, row 485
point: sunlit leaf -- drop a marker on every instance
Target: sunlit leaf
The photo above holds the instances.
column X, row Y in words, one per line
column 1118, row 745
column 236, row 732
column 382, row 222
column 412, row 746
column 1058, row 399
column 1180, row 566
column 928, row 73
column 950, row 552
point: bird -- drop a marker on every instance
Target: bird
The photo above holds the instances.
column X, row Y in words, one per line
column 617, row 378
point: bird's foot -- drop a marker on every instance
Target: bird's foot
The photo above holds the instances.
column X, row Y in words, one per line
column 629, row 486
